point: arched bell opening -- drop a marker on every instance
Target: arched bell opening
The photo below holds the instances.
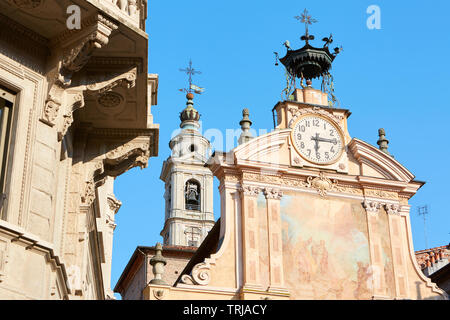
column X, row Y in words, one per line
column 192, row 195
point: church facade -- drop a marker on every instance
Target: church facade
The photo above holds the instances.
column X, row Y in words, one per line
column 292, row 229
column 307, row 211
column 75, row 110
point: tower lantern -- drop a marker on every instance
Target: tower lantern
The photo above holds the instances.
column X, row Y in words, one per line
column 309, row 62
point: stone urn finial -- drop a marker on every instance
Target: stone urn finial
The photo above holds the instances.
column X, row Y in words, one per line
column 382, row 141
column 158, row 262
column 245, row 123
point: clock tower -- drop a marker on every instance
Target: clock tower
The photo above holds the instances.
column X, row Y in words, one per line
column 188, row 184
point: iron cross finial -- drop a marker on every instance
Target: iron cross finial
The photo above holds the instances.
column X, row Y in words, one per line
column 190, row 72
column 306, row 18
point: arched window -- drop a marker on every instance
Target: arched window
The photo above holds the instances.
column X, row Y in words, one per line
column 192, row 195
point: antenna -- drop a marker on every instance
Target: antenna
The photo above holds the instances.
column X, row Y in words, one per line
column 423, row 211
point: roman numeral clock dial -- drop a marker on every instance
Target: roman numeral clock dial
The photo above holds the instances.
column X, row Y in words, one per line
column 317, row 139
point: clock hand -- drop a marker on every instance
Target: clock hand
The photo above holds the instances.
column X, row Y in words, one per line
column 316, row 139
column 333, row 141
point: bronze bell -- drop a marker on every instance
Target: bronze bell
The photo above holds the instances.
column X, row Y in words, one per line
column 192, row 196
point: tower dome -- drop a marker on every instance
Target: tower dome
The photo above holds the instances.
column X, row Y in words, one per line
column 189, row 116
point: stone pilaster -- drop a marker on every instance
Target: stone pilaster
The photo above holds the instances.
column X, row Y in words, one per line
column 397, row 234
column 274, row 237
column 375, row 248
column 250, row 227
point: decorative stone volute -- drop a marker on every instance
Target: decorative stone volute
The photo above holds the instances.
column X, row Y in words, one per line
column 158, row 262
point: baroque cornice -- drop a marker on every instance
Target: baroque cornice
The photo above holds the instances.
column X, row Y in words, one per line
column 120, row 132
column 26, row 4
column 23, row 32
column 232, row 178
column 372, row 156
column 91, row 21
column 99, row 62
column 260, row 177
column 380, row 193
column 324, row 183
column 321, row 183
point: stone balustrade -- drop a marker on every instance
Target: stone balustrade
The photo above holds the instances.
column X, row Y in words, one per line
column 132, row 11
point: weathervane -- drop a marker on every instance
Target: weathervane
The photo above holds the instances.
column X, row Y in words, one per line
column 192, row 87
column 307, row 20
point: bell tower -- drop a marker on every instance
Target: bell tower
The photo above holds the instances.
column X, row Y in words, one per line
column 188, row 184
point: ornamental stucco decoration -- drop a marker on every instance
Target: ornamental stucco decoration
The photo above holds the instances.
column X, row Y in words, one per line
column 125, row 151
column 158, row 294
column 381, row 194
column 101, row 83
column 322, row 184
column 110, row 100
column 372, row 207
column 272, row 193
column 251, row 191
column 392, row 209
column 200, row 275
column 267, row 178
column 76, row 57
column 113, row 203
column 51, row 110
column 89, row 193
column 296, row 112
column 67, row 122
column 73, row 58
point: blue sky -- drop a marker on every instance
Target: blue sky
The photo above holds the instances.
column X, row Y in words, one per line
column 395, row 77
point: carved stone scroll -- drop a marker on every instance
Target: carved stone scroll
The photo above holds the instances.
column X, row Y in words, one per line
column 200, row 275
column 77, row 48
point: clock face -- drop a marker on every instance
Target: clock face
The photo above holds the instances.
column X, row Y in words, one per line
column 317, row 139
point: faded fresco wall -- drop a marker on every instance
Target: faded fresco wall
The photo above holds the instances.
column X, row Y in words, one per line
column 325, row 248
column 382, row 265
